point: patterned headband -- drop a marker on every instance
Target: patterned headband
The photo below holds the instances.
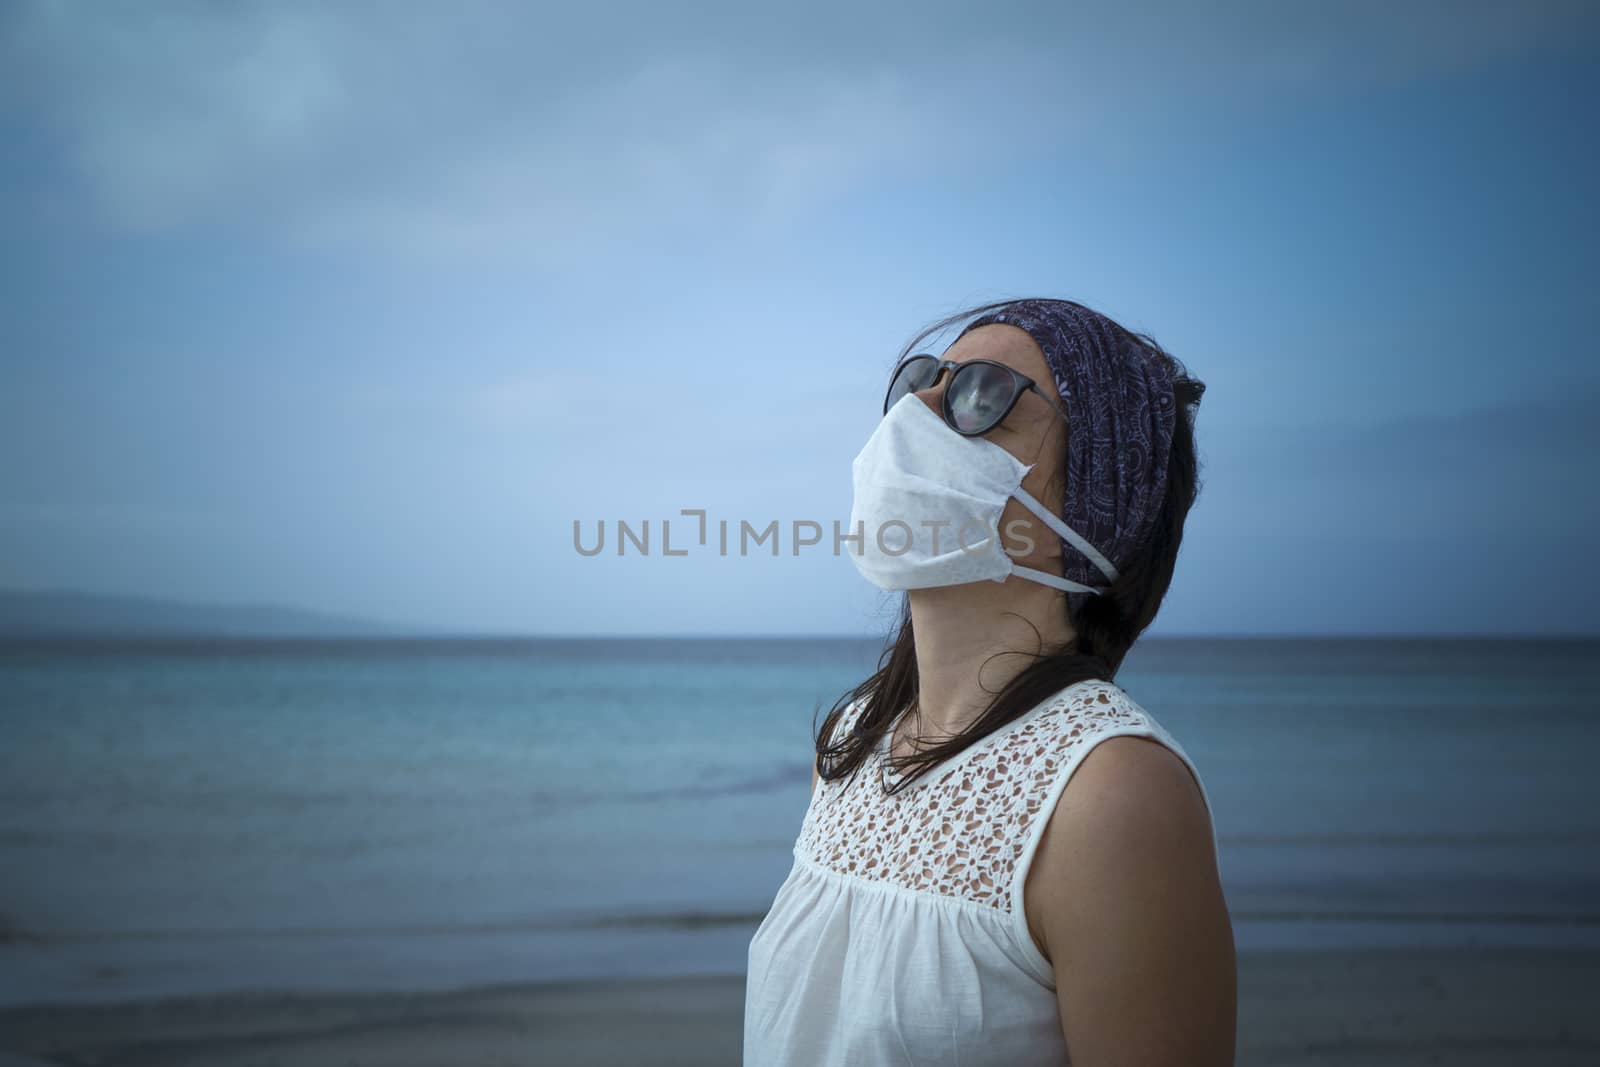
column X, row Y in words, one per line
column 1120, row 410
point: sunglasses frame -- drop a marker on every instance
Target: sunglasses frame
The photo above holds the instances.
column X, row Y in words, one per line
column 1020, row 383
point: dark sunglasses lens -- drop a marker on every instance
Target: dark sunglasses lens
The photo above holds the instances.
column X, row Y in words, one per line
column 916, row 374
column 978, row 397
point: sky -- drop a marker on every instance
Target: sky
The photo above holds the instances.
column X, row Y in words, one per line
column 359, row 307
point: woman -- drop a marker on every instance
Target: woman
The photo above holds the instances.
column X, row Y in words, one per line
column 952, row 900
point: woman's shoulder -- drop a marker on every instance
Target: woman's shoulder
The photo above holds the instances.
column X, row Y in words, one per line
column 1123, row 765
column 1107, row 748
column 1090, row 707
column 836, row 732
column 849, row 713
column 1131, row 791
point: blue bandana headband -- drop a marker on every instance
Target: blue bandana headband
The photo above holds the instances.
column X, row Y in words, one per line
column 1120, row 413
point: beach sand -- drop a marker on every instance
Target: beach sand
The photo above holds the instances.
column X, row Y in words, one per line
column 1373, row 1008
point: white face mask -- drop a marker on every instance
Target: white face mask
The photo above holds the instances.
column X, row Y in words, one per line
column 921, row 485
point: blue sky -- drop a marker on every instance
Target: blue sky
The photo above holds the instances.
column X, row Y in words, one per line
column 358, row 307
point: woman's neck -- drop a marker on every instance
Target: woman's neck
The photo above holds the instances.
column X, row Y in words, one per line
column 972, row 639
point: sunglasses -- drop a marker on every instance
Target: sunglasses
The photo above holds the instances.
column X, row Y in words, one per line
column 980, row 395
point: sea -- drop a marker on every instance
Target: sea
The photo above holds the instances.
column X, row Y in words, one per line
column 188, row 817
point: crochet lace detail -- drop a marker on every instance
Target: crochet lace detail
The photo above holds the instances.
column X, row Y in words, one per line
column 960, row 829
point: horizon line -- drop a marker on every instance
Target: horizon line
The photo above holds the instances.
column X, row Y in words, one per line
column 486, row 635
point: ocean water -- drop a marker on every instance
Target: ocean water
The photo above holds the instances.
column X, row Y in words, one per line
column 229, row 816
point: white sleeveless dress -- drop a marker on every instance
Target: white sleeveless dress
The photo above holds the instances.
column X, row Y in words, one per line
column 899, row 935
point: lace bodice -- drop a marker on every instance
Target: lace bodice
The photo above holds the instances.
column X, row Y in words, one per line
column 960, row 830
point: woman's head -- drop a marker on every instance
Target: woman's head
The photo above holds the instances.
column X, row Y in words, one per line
column 1123, row 397
column 1122, row 471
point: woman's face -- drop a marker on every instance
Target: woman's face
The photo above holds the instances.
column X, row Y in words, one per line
column 1032, row 432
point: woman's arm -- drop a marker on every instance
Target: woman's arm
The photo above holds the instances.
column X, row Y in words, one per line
column 1132, row 914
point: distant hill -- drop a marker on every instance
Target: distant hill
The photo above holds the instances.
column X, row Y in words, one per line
column 70, row 614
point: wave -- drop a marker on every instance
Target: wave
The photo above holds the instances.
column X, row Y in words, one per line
column 685, row 920
column 1493, row 839
column 700, row 920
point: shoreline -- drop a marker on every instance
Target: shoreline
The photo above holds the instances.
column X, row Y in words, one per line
column 1385, row 1007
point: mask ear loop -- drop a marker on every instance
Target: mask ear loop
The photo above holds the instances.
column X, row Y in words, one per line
column 1071, row 537
column 1054, row 580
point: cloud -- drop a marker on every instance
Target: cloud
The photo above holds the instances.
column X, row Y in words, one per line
column 501, row 128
